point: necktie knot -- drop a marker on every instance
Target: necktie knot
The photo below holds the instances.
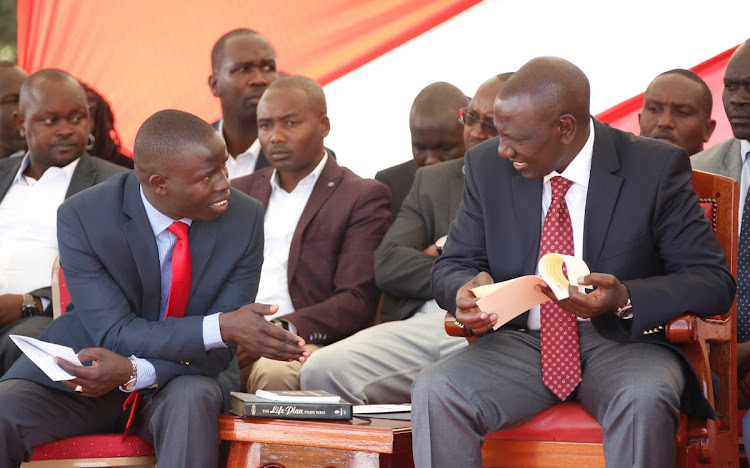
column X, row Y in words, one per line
column 179, row 229
column 560, row 186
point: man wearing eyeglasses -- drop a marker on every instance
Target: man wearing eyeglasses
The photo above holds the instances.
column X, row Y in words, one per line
column 378, row 365
column 436, row 136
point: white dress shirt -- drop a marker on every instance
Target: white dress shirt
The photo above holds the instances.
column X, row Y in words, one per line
column 28, row 228
column 282, row 216
column 244, row 163
column 578, row 172
column 165, row 241
column 744, row 178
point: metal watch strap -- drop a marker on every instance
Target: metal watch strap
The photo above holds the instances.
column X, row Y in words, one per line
column 134, row 376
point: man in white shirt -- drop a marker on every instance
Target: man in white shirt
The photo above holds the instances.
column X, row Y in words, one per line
column 322, row 226
column 54, row 119
column 11, row 141
column 243, row 64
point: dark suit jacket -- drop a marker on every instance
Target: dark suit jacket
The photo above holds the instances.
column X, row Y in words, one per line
column 330, row 269
column 402, row 270
column 89, row 172
column 111, row 263
column 642, row 224
column 398, row 178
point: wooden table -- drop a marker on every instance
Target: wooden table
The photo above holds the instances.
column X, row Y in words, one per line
column 284, row 443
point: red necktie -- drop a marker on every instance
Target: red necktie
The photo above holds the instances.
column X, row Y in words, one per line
column 561, row 359
column 182, row 269
column 179, row 291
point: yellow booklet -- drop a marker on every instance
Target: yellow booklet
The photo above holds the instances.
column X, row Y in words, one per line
column 509, row 299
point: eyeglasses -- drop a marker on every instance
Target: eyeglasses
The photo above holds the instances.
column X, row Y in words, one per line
column 468, row 118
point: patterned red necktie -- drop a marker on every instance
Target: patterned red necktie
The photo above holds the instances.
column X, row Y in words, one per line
column 179, row 292
column 561, row 359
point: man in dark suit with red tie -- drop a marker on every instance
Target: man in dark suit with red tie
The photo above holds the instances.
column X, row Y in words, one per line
column 625, row 205
column 161, row 264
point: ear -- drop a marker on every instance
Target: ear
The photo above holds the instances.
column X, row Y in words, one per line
column 325, row 125
column 213, row 84
column 158, row 184
column 20, row 123
column 567, row 127
column 709, row 130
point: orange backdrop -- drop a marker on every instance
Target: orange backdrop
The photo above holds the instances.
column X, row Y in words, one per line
column 145, row 55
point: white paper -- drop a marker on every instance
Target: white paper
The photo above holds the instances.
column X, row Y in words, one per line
column 380, row 409
column 43, row 355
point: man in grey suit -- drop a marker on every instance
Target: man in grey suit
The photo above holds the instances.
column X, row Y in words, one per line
column 731, row 158
column 378, row 364
column 31, row 188
column 161, row 264
column 558, row 180
column 436, row 135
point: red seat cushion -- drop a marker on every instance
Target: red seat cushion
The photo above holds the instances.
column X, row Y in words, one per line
column 93, row 446
column 566, row 422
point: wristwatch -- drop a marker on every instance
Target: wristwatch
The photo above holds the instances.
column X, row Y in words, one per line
column 128, row 386
column 440, row 243
column 28, row 307
column 625, row 312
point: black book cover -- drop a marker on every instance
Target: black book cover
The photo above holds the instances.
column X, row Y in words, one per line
column 247, row 405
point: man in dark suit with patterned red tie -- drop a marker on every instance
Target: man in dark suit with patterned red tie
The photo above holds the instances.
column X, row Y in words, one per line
column 557, row 180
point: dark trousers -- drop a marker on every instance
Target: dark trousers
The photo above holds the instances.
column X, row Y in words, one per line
column 180, row 420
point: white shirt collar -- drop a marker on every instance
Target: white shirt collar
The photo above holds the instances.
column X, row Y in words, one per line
column 158, row 220
column 744, row 149
column 66, row 170
column 253, row 150
column 579, row 169
column 309, row 179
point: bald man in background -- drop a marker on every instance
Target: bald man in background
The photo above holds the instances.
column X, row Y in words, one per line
column 677, row 109
column 11, row 141
column 436, row 136
column 379, row 364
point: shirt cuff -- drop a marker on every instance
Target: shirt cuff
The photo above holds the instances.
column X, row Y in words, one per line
column 212, row 332
column 146, row 376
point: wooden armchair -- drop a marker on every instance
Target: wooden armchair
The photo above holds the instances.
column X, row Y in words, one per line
column 566, row 436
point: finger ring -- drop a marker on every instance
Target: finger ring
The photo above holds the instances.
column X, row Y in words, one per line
column 79, row 388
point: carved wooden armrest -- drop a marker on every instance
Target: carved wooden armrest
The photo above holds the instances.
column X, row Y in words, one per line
column 694, row 334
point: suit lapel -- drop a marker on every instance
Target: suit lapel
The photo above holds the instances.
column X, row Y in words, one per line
column 731, row 163
column 604, row 188
column 456, row 191
column 6, row 178
column 527, row 198
column 202, row 238
column 143, row 247
column 324, row 188
column 83, row 177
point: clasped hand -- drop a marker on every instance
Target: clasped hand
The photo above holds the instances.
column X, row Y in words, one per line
column 609, row 294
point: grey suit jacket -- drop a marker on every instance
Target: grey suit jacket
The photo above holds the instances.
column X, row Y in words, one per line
column 89, row 172
column 642, row 224
column 402, row 270
column 111, row 263
column 723, row 159
column 399, row 179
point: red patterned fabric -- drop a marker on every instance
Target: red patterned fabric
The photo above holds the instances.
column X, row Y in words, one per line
column 561, row 359
column 93, row 446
